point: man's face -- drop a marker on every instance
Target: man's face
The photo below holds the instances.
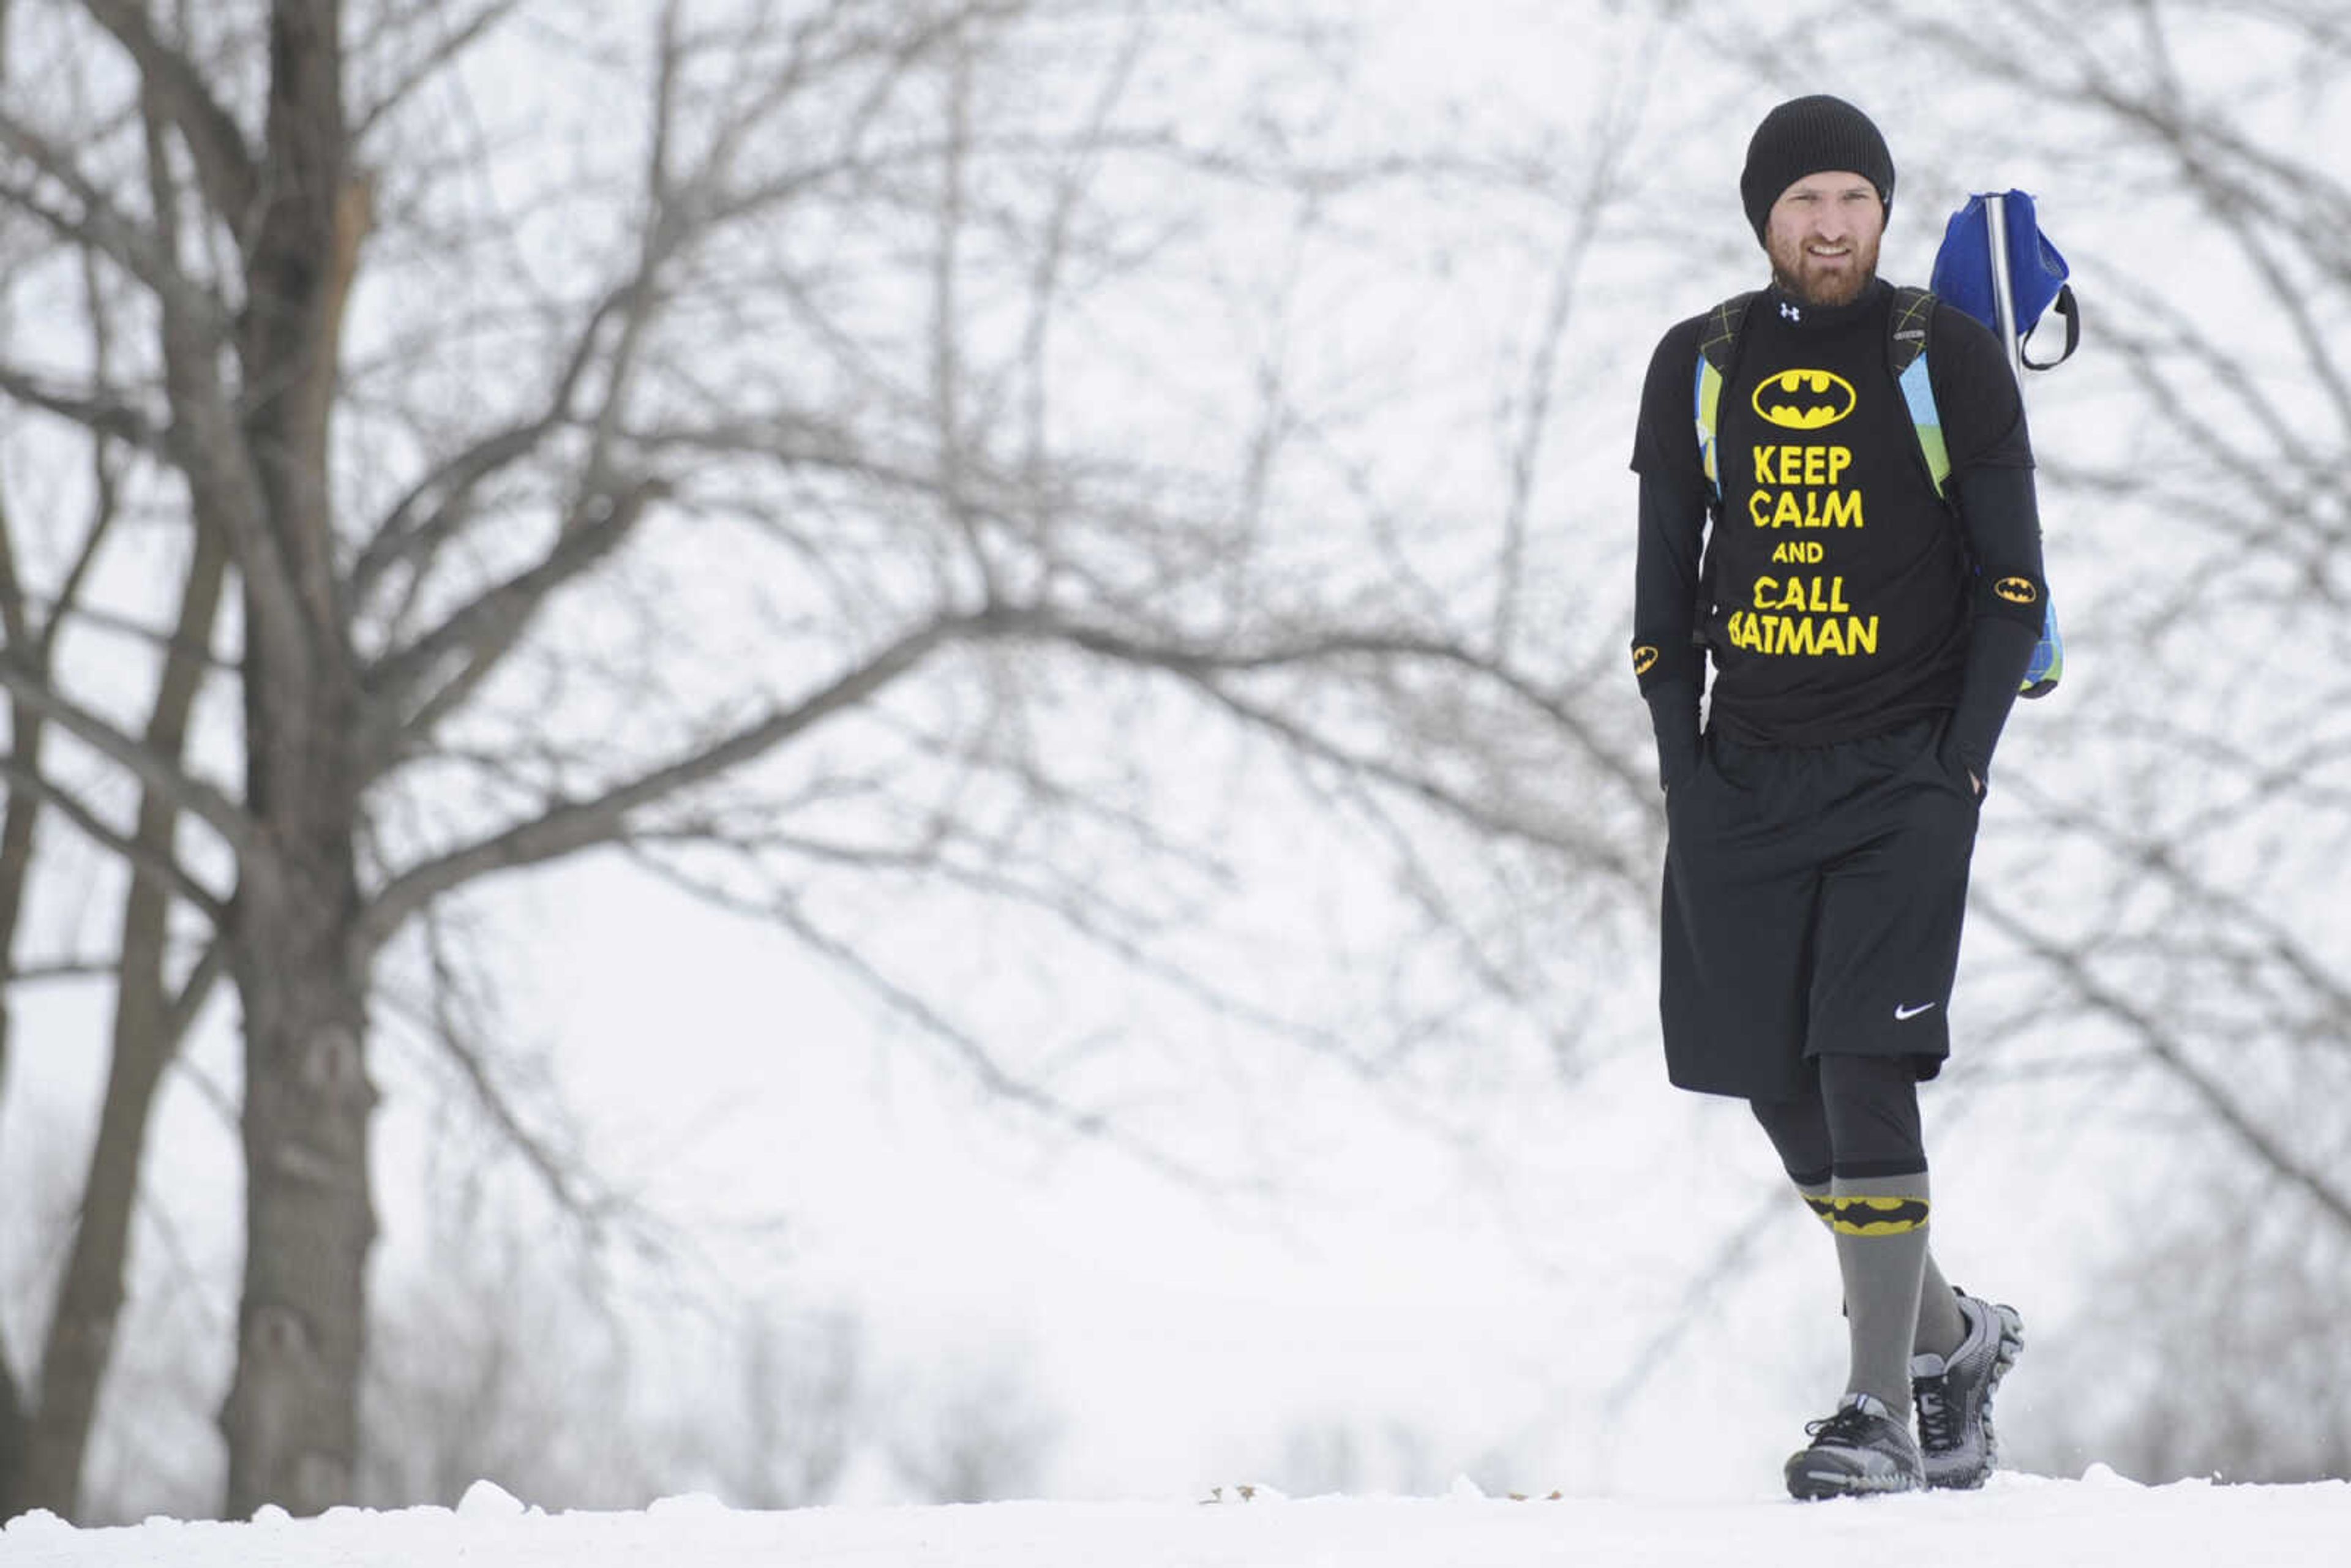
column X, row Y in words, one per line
column 1822, row 236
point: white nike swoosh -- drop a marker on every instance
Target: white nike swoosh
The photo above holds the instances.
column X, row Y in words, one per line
column 1904, row 1014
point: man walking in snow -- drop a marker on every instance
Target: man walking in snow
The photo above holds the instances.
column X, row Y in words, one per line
column 1866, row 635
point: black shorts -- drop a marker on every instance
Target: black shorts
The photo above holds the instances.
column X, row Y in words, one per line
column 1813, row 900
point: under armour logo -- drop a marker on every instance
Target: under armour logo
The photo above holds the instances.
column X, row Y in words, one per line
column 1790, row 311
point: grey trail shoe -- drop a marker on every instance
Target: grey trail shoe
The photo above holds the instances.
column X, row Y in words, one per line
column 1953, row 1394
column 1860, row 1451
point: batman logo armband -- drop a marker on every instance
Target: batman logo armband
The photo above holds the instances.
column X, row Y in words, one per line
column 2012, row 596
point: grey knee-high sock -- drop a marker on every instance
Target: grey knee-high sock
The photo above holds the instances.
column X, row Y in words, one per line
column 1940, row 1328
column 1881, row 1245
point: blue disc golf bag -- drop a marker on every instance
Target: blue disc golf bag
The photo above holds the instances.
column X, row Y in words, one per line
column 2036, row 281
column 2036, row 272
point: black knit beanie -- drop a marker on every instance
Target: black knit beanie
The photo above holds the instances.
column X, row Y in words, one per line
column 1814, row 135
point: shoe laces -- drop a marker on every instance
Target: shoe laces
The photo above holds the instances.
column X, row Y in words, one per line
column 1851, row 1424
column 1938, row 1422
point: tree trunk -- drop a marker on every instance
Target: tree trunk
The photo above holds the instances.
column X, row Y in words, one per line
column 90, row 1291
column 17, row 815
column 16, row 861
column 292, row 1415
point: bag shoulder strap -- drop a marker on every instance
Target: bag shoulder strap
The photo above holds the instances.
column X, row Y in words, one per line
column 1909, row 329
column 1717, row 348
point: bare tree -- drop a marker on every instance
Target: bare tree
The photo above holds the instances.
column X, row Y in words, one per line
column 975, row 1433
column 2217, row 1350
column 745, row 483
column 157, row 991
column 498, row 1360
column 804, row 1405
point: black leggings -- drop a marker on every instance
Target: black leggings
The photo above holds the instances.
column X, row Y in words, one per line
column 1861, row 1120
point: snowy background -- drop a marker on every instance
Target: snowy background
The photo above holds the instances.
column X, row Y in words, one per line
column 1272, row 1098
column 2020, row 1520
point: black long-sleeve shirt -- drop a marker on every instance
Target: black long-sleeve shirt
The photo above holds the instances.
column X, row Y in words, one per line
column 1841, row 597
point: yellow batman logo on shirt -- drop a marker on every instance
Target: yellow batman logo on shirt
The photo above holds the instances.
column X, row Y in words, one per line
column 1643, row 657
column 2016, row 589
column 1803, row 400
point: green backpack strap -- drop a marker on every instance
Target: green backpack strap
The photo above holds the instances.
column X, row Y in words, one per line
column 1905, row 351
column 1716, row 343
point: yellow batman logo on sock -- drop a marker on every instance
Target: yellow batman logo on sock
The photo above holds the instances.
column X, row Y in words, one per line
column 1875, row 1216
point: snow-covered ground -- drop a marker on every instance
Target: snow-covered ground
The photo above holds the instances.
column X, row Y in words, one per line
column 2015, row 1523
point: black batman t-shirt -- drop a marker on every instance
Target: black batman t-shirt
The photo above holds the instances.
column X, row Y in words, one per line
column 1839, row 586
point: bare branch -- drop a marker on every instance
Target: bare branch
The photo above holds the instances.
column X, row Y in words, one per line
column 1731, row 1258
column 122, row 847
column 224, row 165
column 1589, row 849
column 967, row 1049
column 195, row 991
column 946, row 366
column 101, row 411
column 2149, row 855
column 570, row 826
column 62, row 610
column 15, row 605
column 1087, row 911
column 1069, row 186
column 598, row 526
column 405, row 535
column 32, row 688
column 1201, row 663
column 100, row 223
column 408, row 531
column 433, row 61
column 444, row 1021
column 2166, row 1047
column 60, row 970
